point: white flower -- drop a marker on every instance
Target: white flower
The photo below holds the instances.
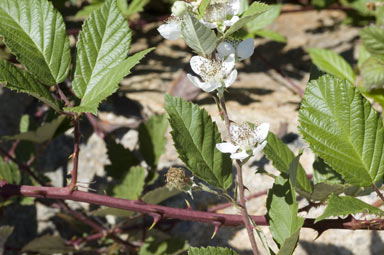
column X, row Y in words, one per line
column 218, row 11
column 171, row 30
column 243, row 49
column 179, row 8
column 247, row 141
column 214, row 73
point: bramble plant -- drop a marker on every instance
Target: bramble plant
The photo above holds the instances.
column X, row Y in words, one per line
column 343, row 130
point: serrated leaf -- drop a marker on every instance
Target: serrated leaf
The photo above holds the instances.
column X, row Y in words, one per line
column 373, row 39
column 272, row 35
column 289, row 244
column 9, row 172
column 332, row 63
column 343, row 206
column 134, row 6
column 159, row 195
column 292, row 170
column 35, row 32
column 132, row 185
column 197, row 36
column 103, row 44
column 255, row 8
column 48, row 244
column 203, row 6
column 195, row 136
column 264, row 19
column 121, row 158
column 324, row 173
column 172, row 246
column 281, row 157
column 342, row 128
column 108, row 84
column 42, row 134
column 322, row 190
column 5, row 232
column 372, row 71
column 244, row 20
column 211, row 251
column 282, row 210
column 87, row 10
column 152, row 138
column 21, row 81
column 363, row 55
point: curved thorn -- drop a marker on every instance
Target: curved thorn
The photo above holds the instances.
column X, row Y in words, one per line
column 217, row 225
column 188, row 204
column 156, row 218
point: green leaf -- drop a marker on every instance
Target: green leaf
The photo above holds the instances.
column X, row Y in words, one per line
column 363, row 55
column 87, row 10
column 282, row 210
column 244, row 20
column 35, row 32
column 324, row 173
column 264, row 19
column 211, row 251
column 342, row 128
column 21, row 81
column 48, row 244
column 103, row 44
column 108, row 84
column 121, row 159
column 152, row 139
column 372, row 71
column 373, row 39
column 197, row 36
column 42, row 134
column 292, row 170
column 281, row 157
column 272, row 35
column 256, row 8
column 195, row 136
column 172, row 246
column 321, row 191
column 289, row 245
column 203, row 6
column 5, row 232
column 134, row 6
column 343, row 206
column 332, row 63
column 9, row 172
column 159, row 195
column 132, row 185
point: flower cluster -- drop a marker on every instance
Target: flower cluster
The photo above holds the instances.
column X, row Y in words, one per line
column 217, row 70
column 247, row 140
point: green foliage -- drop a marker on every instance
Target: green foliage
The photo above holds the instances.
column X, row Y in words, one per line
column 152, row 139
column 289, row 245
column 363, row 55
column 108, row 84
column 21, row 81
column 373, row 39
column 264, row 19
column 372, row 71
column 332, row 63
column 159, row 195
column 281, row 157
column 256, row 8
column 319, row 4
column 195, row 136
column 203, row 6
column 9, row 172
column 42, row 134
column 211, row 251
column 48, row 244
column 87, row 10
column 163, row 247
column 5, row 232
column 197, row 36
column 272, row 35
column 282, row 211
column 134, row 6
column 343, row 206
column 35, row 32
column 342, row 128
column 132, row 185
column 324, row 173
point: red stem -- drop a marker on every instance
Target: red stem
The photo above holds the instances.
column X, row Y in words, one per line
column 72, row 186
column 226, row 205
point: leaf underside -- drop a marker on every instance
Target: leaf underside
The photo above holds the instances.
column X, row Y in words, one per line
column 342, row 128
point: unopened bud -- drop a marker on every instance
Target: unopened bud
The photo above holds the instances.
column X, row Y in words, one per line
column 176, row 178
column 179, row 8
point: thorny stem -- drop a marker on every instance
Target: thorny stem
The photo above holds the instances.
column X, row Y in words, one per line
column 238, row 164
column 76, row 149
column 226, row 205
column 378, row 192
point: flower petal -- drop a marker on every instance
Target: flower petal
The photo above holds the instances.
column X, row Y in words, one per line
column 230, row 22
column 226, row 147
column 261, row 132
column 234, row 7
column 210, row 25
column 206, row 86
column 170, row 31
column 259, row 148
column 240, row 155
column 197, row 62
column 231, row 78
column 245, row 49
column 224, row 49
column 229, row 64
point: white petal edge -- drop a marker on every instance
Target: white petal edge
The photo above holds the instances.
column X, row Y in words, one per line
column 245, row 49
column 229, row 64
column 170, row 31
column 234, row 7
column 259, row 148
column 230, row 22
column 231, row 78
column 240, row 155
column 226, row 147
column 224, row 49
column 209, row 25
column 206, row 86
column 196, row 62
column 261, row 132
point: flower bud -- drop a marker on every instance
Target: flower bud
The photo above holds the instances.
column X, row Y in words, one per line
column 179, row 8
column 245, row 49
column 176, row 178
column 225, row 49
